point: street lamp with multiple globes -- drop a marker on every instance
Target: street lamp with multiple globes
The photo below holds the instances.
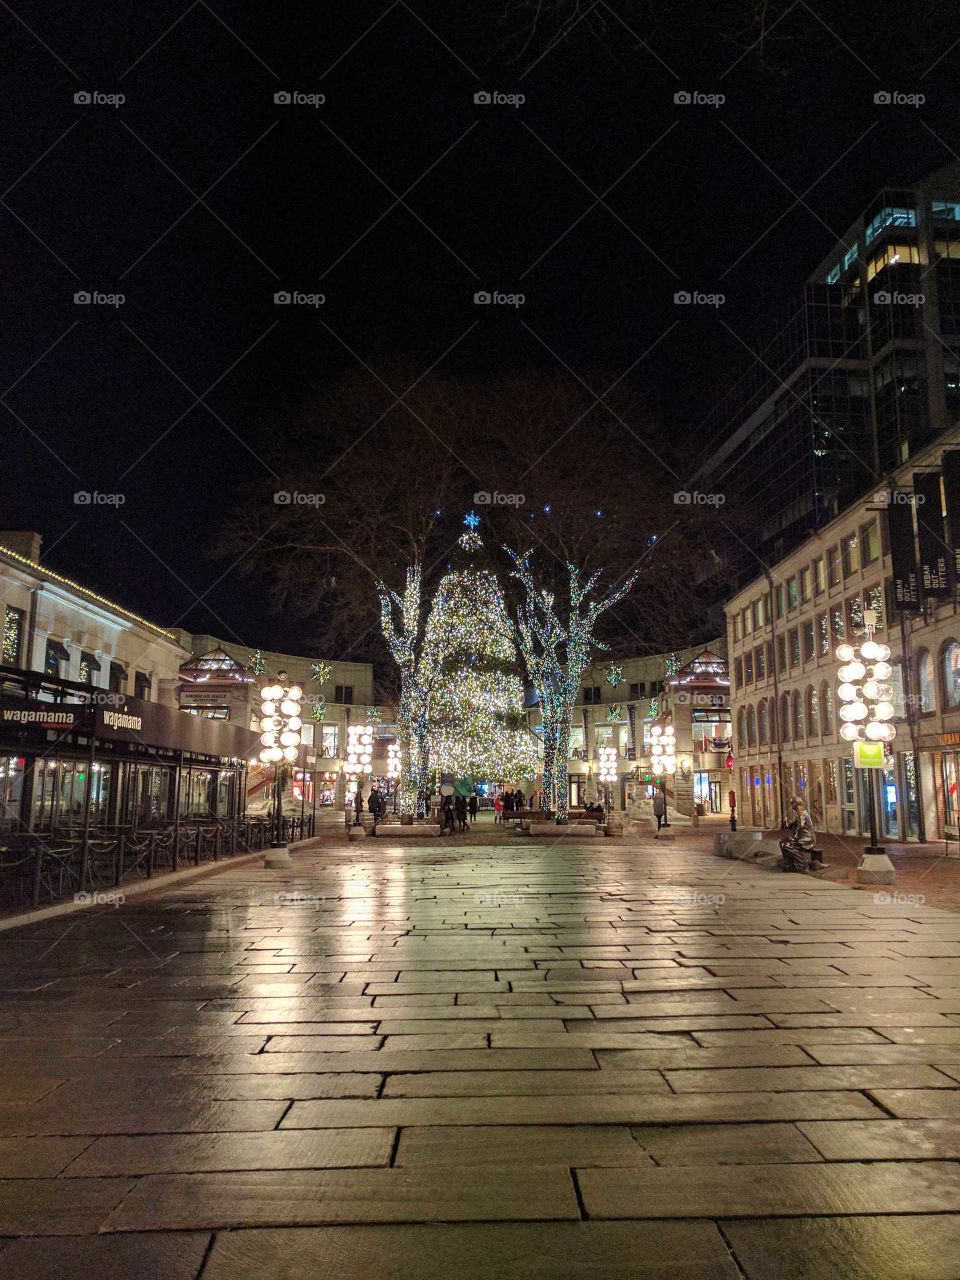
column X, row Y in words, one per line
column 359, row 761
column 280, row 729
column 867, row 711
column 607, row 758
column 663, row 756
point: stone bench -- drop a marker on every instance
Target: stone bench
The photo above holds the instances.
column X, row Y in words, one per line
column 410, row 831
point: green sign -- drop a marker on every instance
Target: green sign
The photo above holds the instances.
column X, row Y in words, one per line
column 868, row 755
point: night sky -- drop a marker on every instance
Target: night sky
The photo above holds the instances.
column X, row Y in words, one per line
column 597, row 198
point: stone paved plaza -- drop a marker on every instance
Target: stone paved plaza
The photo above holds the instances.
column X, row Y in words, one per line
column 605, row 1059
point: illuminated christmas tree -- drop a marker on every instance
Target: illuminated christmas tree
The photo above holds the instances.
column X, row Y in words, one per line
column 470, row 670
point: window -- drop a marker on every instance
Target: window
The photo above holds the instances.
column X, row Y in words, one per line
column 813, row 711
column 850, row 257
column 889, row 217
column 12, row 636
column 747, row 617
column 88, row 665
column 737, row 628
column 809, row 649
column 826, row 708
column 946, row 211
column 854, row 615
column 850, row 555
column 141, row 685
column 781, row 653
column 635, row 690
column 329, row 740
column 830, row 780
column 751, row 726
column 759, row 663
column 738, row 673
column 763, row 723
column 869, row 543
column 343, row 693
column 118, row 677
column 837, row 624
column 741, row 728
column 819, row 576
column 926, row 682
column 55, row 658
column 748, row 668
column 806, row 584
column 951, row 673
column 876, row 601
column 795, row 647
column 833, row 567
column 833, row 275
column 784, row 718
column 892, row 255
column 792, row 594
column 823, row 635
column 799, row 725
column 778, row 599
column 759, row 613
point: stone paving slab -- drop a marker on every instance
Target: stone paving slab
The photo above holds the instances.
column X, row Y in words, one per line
column 571, row 1145
column 168, row 1255
column 514, row 1251
column 920, row 1247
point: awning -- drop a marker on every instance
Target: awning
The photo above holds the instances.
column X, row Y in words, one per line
column 59, row 651
column 92, row 663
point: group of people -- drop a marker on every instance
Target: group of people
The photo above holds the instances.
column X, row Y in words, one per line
column 376, row 804
column 507, row 803
column 454, row 811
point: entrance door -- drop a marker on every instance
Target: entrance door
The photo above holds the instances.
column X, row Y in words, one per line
column 715, row 801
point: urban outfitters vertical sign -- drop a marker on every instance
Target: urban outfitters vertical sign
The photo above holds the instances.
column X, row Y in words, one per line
column 903, row 553
column 935, row 576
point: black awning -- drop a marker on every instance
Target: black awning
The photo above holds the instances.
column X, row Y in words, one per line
column 59, row 651
column 93, row 664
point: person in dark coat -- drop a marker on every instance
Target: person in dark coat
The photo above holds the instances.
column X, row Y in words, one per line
column 460, row 809
column 518, row 799
column 473, row 804
column 358, row 804
column 507, row 804
column 446, row 815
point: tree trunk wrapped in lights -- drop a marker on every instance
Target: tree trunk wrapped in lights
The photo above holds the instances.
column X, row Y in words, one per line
column 400, row 620
column 470, row 668
column 557, row 676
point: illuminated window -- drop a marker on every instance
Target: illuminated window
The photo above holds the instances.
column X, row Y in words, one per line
column 946, row 211
column 823, row 635
column 833, row 275
column 889, row 217
column 926, row 681
column 850, row 554
column 869, row 543
column 12, row 636
column 850, row 257
column 951, row 673
column 893, row 255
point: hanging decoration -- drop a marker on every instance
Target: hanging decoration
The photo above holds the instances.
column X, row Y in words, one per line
column 256, row 664
column 374, row 715
column 318, row 708
column 320, row 672
column 614, row 675
column 615, row 713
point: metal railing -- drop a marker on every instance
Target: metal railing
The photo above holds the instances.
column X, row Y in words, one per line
column 38, row 868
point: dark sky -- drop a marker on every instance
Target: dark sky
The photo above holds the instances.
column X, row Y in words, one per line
column 597, row 198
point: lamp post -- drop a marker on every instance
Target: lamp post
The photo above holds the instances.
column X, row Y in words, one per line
column 867, row 712
column 358, row 765
column 607, row 763
column 663, row 756
column 280, row 729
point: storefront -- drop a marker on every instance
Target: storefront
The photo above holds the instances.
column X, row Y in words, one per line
column 74, row 758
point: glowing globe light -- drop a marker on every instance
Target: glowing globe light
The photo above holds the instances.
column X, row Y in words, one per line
column 847, row 692
column 884, row 711
column 852, row 671
column 882, row 670
column 845, row 653
column 849, row 732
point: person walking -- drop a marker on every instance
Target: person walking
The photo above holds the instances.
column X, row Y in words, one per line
column 660, row 809
column 446, row 815
column 358, row 805
column 518, row 799
column 507, row 805
column 460, row 809
column 498, row 809
column 473, row 804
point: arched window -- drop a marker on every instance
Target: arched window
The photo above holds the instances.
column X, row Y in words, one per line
column 826, row 709
column 784, row 718
column 741, row 729
column 813, row 711
column 763, row 723
column 951, row 673
column 926, row 681
column 751, row 726
column 799, row 728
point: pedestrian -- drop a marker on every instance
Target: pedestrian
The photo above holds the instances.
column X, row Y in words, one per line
column 660, row 809
column 801, row 842
column 460, row 809
column 358, row 804
column 498, row 808
column 518, row 799
column 446, row 815
column 374, row 805
column 507, row 805
column 473, row 805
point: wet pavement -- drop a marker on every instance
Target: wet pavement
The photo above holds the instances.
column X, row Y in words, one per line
column 607, row 1059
